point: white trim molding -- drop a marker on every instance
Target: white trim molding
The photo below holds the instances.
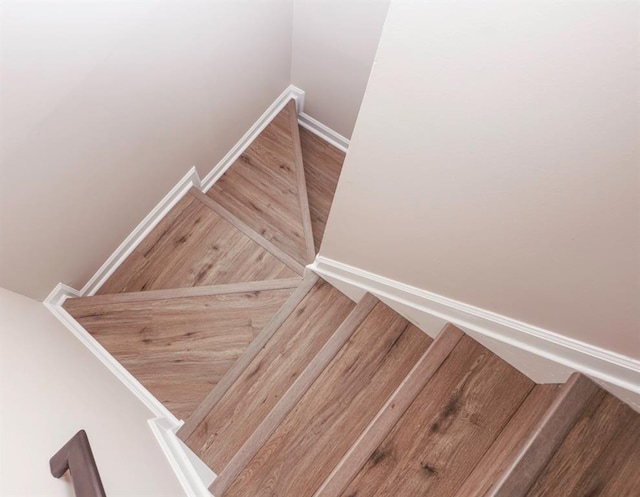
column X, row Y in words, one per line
column 263, row 121
column 324, row 132
column 600, row 364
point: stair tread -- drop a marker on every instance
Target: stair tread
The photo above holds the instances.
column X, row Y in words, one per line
column 263, row 188
column 322, row 167
column 180, row 348
column 193, row 246
column 236, row 415
column 451, row 424
column 510, row 442
column 317, row 433
column 602, row 444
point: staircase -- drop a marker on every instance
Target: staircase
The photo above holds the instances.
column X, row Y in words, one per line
column 289, row 389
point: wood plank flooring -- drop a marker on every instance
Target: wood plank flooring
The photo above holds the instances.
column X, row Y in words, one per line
column 238, row 413
column 179, row 348
column 328, row 419
column 450, row 425
column 322, row 167
column 193, row 246
column 598, row 456
column 262, row 188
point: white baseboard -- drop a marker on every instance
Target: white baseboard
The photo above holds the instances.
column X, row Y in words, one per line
column 558, row 354
column 291, row 92
column 324, row 132
column 141, row 231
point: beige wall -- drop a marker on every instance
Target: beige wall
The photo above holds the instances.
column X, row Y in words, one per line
column 496, row 161
column 334, row 44
column 52, row 386
column 105, row 105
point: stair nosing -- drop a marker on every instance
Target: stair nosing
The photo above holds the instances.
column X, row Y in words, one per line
column 552, row 429
column 291, row 397
column 250, row 353
column 390, row 413
column 176, row 293
column 248, row 231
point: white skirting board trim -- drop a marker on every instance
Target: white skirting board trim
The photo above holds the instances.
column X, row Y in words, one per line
column 324, row 132
column 291, row 92
column 602, row 365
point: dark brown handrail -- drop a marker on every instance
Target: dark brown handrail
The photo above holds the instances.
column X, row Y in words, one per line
column 77, row 457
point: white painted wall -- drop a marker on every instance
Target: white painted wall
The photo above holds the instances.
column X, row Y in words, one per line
column 334, row 44
column 496, row 161
column 105, row 105
column 51, row 387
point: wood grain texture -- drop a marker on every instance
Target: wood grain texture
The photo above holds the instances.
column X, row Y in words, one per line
column 180, row 348
column 174, row 293
column 232, row 375
column 451, row 424
column 193, row 246
column 390, row 413
column 322, row 167
column 328, row 419
column 596, row 456
column 543, row 441
column 293, row 395
column 261, row 189
column 303, row 197
column 247, row 230
column 510, row 442
column 265, row 380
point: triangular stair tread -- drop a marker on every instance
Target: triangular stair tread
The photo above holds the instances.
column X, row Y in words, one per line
column 322, row 168
column 194, row 246
column 180, row 347
column 230, row 422
column 266, row 189
column 452, row 422
column 315, row 435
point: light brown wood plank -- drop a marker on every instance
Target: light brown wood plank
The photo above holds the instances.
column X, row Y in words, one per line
column 180, row 348
column 261, row 189
column 391, row 412
column 292, row 396
column 232, row 375
column 328, row 419
column 510, row 442
column 542, row 442
column 230, row 423
column 173, row 293
column 322, row 167
column 256, row 237
column 301, row 181
column 193, row 246
column 451, row 424
column 600, row 444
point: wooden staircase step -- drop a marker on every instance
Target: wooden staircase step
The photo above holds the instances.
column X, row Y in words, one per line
column 322, row 167
column 179, row 347
column 540, row 445
column 510, row 442
column 445, row 432
column 266, row 188
column 194, row 246
column 389, row 415
column 330, row 416
column 600, row 456
column 266, row 378
column 293, row 395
